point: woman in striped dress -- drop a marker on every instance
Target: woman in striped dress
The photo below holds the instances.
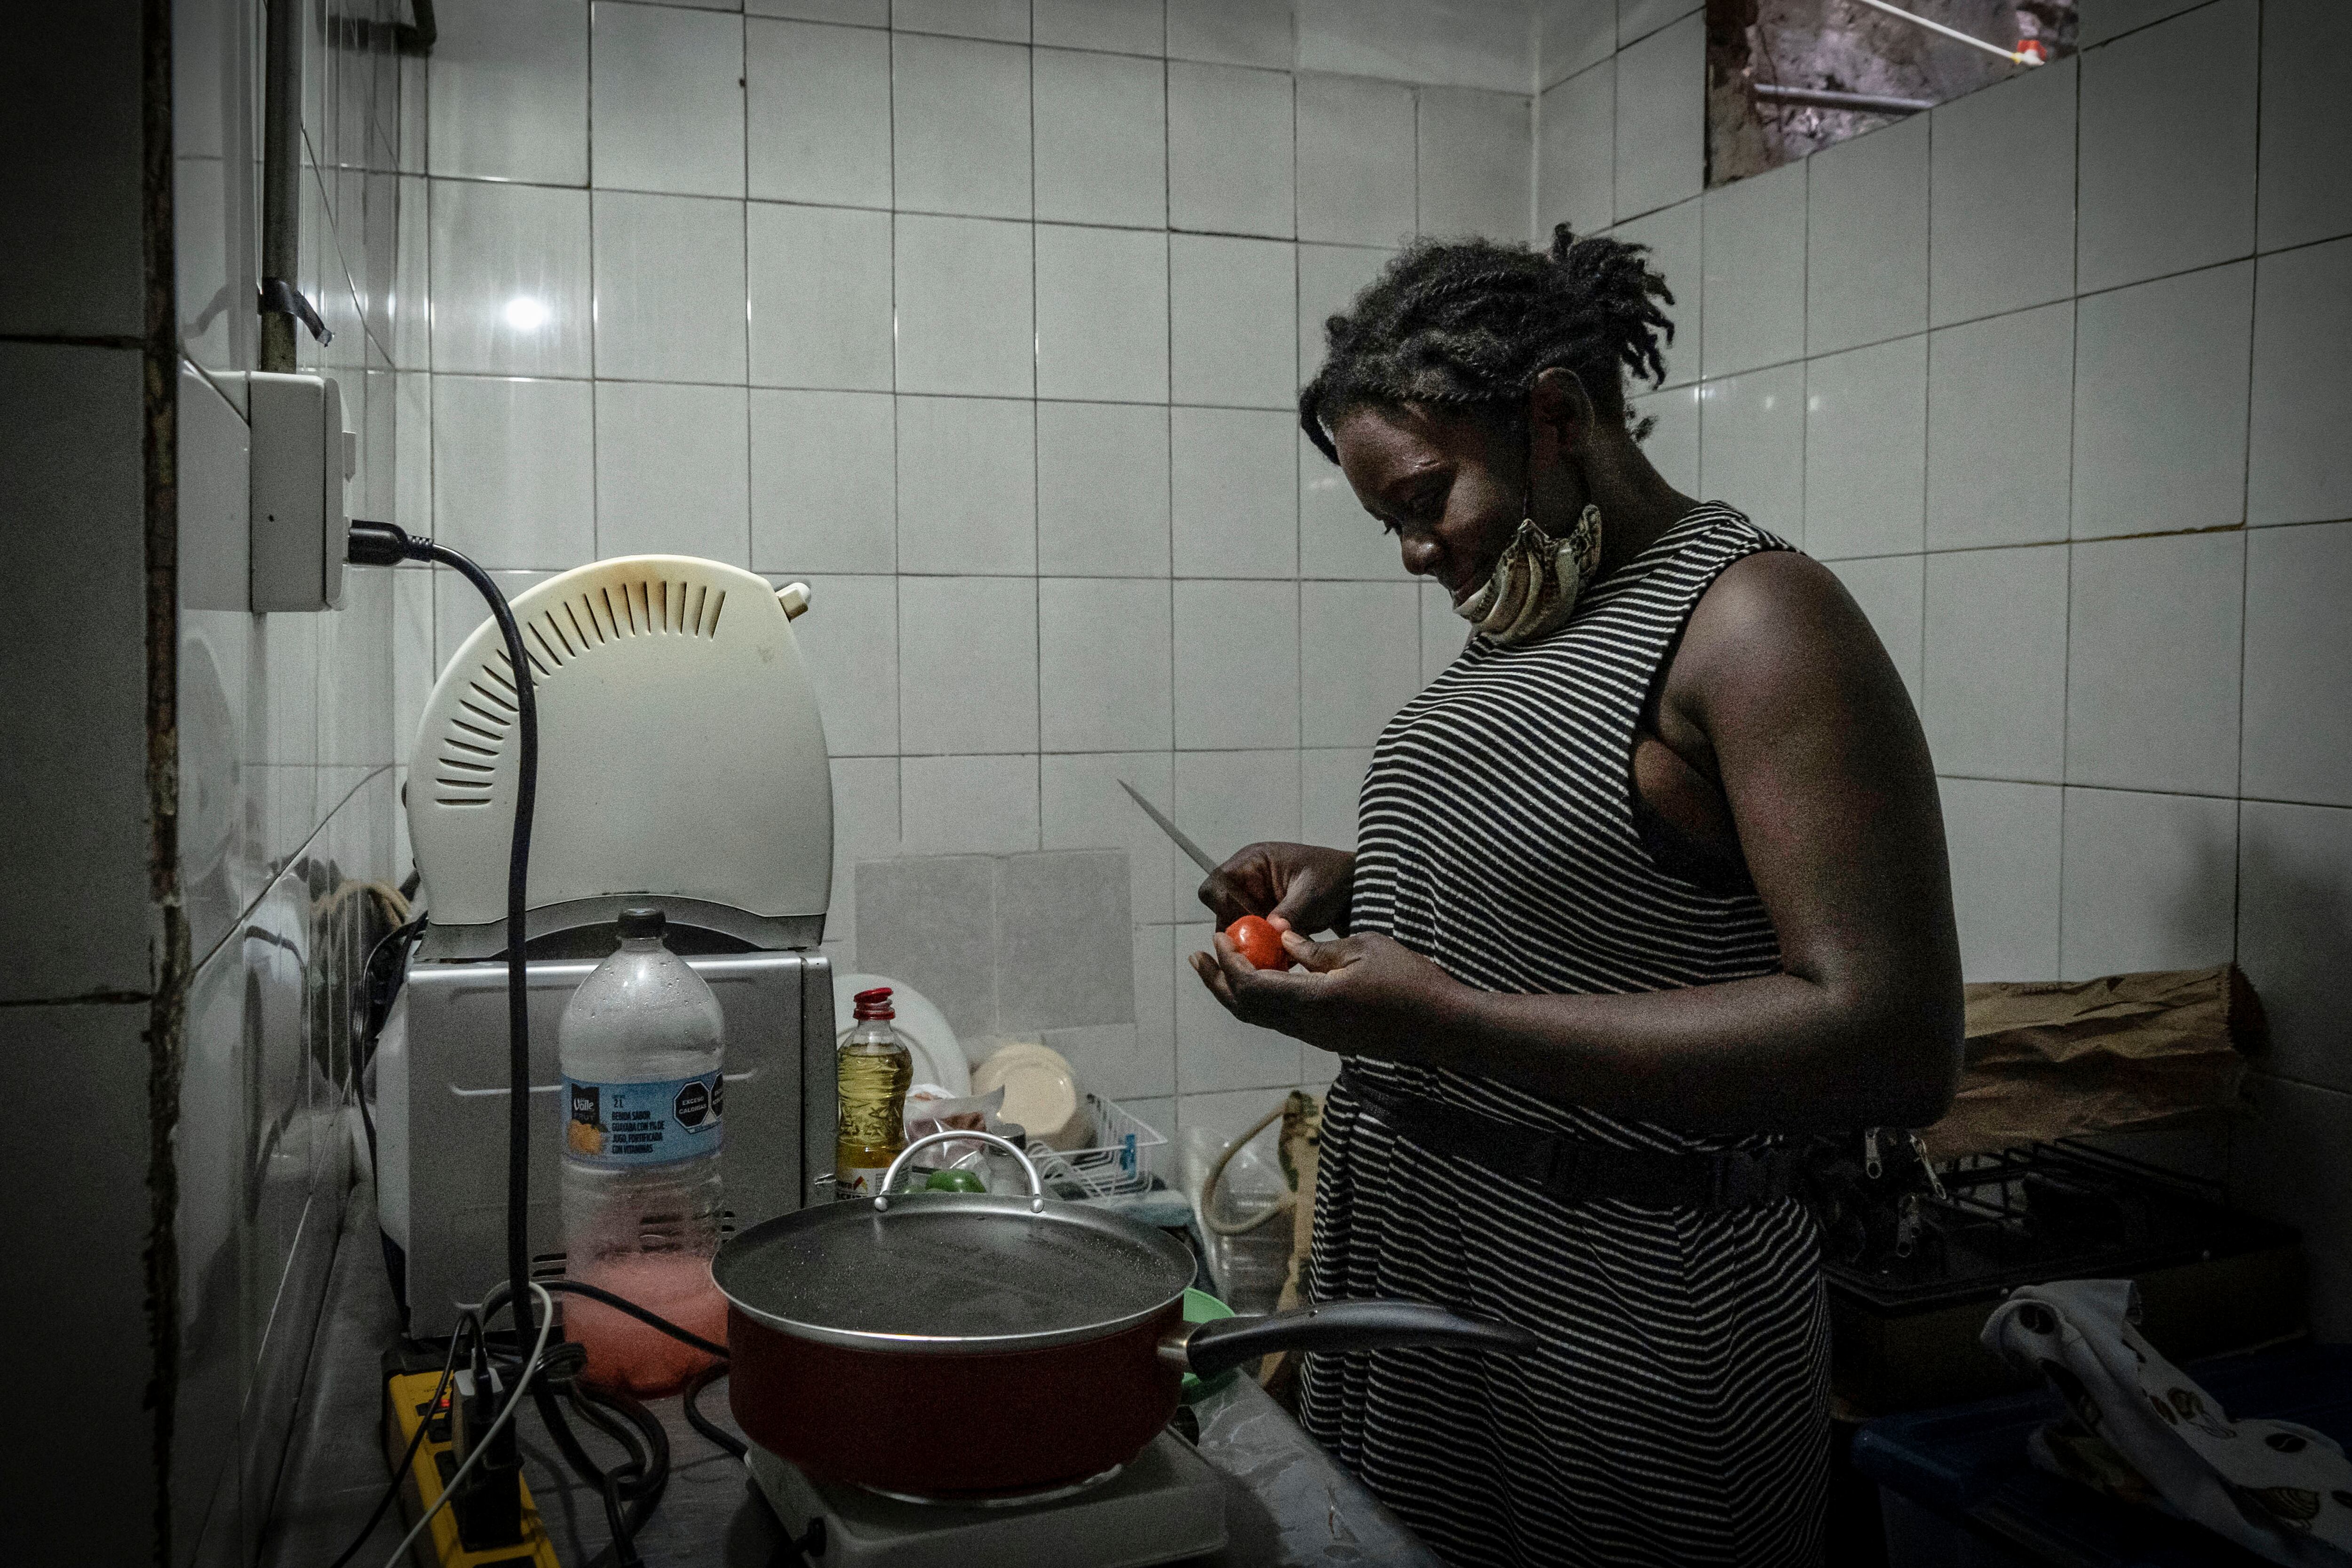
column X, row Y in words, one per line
column 1650, row 877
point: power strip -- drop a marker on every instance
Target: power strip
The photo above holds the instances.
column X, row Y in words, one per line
column 407, row 1405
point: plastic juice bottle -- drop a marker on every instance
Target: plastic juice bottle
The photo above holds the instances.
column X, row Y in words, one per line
column 875, row 1072
column 640, row 1042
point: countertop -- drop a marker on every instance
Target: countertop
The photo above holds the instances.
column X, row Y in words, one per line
column 1287, row 1501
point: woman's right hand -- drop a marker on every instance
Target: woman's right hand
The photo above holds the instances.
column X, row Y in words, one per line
column 1305, row 885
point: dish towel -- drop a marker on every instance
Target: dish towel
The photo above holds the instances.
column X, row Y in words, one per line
column 2139, row 1429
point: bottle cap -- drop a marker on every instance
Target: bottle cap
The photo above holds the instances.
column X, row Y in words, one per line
column 642, row 919
column 874, row 1004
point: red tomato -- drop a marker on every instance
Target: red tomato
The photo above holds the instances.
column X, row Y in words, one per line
column 1259, row 942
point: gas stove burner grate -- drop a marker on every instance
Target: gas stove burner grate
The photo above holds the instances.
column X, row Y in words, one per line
column 2047, row 1211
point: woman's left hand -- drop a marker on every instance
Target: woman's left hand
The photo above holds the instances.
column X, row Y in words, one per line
column 1360, row 993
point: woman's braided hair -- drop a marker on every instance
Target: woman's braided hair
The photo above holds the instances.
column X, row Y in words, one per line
column 1470, row 323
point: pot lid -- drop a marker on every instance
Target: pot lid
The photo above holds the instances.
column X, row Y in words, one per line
column 952, row 1271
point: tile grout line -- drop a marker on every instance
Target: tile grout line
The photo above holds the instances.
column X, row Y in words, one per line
column 2245, row 508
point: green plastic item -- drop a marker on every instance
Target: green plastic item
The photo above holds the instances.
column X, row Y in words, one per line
column 957, row 1181
column 1199, row 1307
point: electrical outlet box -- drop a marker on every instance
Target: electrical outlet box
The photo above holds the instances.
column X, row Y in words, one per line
column 302, row 456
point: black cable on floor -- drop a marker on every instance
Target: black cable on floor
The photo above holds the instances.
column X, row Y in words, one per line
column 703, row 1423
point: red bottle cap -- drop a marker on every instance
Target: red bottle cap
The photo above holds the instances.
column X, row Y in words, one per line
column 874, row 1004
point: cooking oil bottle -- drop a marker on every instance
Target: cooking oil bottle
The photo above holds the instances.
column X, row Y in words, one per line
column 875, row 1071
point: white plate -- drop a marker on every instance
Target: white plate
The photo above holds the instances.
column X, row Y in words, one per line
column 1041, row 1093
column 939, row 1057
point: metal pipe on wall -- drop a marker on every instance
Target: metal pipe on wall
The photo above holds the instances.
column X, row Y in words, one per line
column 281, row 180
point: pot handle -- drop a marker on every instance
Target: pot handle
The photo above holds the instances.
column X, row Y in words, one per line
column 1036, row 1182
column 1213, row 1347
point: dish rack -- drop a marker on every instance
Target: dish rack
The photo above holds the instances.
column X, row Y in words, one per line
column 1123, row 1159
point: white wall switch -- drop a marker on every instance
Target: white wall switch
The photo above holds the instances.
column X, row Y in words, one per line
column 301, row 457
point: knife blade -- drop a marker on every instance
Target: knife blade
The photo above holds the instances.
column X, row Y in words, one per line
column 1199, row 856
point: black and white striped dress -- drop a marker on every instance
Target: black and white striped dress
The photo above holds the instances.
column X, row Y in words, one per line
column 1676, row 1413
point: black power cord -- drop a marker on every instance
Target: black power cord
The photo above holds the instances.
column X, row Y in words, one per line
column 385, row 544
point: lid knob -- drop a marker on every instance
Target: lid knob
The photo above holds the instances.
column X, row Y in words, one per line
column 642, row 919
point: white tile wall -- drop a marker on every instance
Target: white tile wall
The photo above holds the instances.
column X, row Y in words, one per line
column 2168, row 147
column 2295, row 931
column 1865, row 446
column 2301, row 462
column 967, row 805
column 1102, row 490
column 967, row 485
column 2149, row 882
column 1236, row 665
column 2298, row 726
column 1661, row 118
column 1995, row 660
column 1104, row 648
column 2001, row 396
column 665, row 95
column 1002, row 19
column 1866, row 238
column 964, row 292
column 508, row 96
column 1233, row 493
column 824, row 489
column 1356, row 160
column 821, row 310
column 1475, row 163
column 1329, row 782
column 818, row 113
column 1447, row 43
column 1359, row 644
column 509, row 279
column 968, row 665
column 673, row 470
column 1229, row 150
column 1577, row 150
column 1231, row 32
column 2160, row 398
column 1102, row 315
column 1754, row 239
column 2152, row 663
column 855, row 13
column 669, row 294
column 959, row 126
column 2002, row 209
column 1571, row 35
column 514, row 470
column 2004, row 842
column 852, row 651
column 1101, row 132
column 1130, row 27
column 2307, row 125
column 1752, row 445
column 1232, row 303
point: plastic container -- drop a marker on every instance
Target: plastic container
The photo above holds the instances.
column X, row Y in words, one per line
column 641, row 1042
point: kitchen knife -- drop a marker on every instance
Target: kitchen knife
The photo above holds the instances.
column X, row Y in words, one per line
column 1200, row 857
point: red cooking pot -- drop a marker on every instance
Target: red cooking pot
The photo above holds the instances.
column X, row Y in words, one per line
column 965, row 1345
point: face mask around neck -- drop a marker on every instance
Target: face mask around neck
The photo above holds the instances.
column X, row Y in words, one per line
column 1534, row 584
